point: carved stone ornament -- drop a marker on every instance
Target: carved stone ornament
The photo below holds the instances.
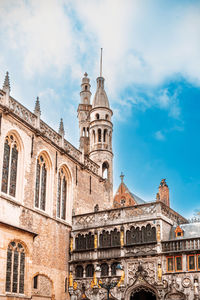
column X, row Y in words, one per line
column 174, row 293
column 186, row 282
column 146, row 272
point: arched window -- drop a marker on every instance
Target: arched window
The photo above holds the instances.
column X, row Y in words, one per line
column 105, row 168
column 113, row 268
column 94, row 138
column 105, row 135
column 97, row 116
column 106, row 117
column 115, row 238
column 10, row 162
column 99, row 135
column 15, row 268
column 41, row 181
column 105, row 239
column 62, row 194
column 79, row 272
column 89, row 270
column 104, row 269
column 83, row 131
column 80, row 242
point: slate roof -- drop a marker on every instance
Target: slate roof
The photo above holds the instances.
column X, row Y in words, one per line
column 190, row 230
column 138, row 200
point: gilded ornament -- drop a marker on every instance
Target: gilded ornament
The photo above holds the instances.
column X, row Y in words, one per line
column 122, row 238
column 159, row 272
column 158, row 233
column 70, row 279
column 71, row 244
column 95, row 241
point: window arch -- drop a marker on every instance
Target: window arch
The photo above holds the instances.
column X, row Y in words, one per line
column 104, row 269
column 105, row 135
column 114, row 268
column 105, row 168
column 62, row 194
column 89, row 270
column 15, row 270
column 79, row 271
column 41, row 182
column 10, row 164
column 99, row 135
column 94, row 137
column 97, row 116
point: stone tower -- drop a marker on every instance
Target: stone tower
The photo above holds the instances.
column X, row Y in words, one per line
column 163, row 194
column 84, row 115
column 101, row 134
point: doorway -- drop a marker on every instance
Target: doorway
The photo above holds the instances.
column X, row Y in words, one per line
column 143, row 295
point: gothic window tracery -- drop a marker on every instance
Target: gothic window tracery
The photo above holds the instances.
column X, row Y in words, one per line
column 140, row 236
column 41, row 181
column 15, row 270
column 89, row 270
column 10, row 162
column 105, row 239
column 84, row 242
column 109, row 239
column 115, row 238
column 62, row 194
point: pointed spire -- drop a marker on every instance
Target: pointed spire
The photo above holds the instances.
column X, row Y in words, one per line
column 122, row 177
column 6, row 84
column 37, row 110
column 61, row 128
column 101, row 63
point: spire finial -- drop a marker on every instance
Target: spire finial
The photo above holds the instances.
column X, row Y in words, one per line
column 61, row 127
column 37, row 110
column 101, row 63
column 6, row 84
column 122, row 177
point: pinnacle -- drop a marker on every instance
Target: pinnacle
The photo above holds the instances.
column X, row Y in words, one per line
column 37, row 107
column 6, row 85
column 61, row 127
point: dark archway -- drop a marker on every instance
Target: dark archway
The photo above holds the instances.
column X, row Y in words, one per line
column 143, row 295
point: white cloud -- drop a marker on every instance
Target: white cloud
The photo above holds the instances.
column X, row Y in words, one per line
column 159, row 135
column 145, row 43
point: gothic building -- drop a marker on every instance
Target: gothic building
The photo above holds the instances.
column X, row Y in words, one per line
column 60, row 224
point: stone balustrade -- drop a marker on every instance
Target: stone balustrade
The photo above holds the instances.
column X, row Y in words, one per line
column 181, row 245
column 119, row 216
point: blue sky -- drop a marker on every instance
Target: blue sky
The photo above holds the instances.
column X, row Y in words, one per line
column 151, row 63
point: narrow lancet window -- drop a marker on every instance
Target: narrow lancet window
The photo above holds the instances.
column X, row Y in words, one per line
column 40, row 185
column 10, row 162
column 62, row 194
column 15, row 270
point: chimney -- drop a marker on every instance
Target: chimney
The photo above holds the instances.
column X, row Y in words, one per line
column 163, row 194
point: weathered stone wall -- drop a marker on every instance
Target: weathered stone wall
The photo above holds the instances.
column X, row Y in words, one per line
column 48, row 251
